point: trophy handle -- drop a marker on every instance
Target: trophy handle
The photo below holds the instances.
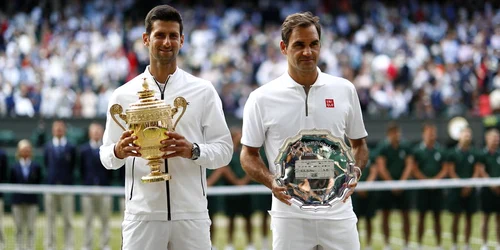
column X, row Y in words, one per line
column 116, row 109
column 179, row 102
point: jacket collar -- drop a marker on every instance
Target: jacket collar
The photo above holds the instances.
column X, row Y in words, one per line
column 95, row 144
column 173, row 77
column 59, row 142
column 24, row 162
column 290, row 83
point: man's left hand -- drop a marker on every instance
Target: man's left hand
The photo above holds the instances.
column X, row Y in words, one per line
column 465, row 192
column 176, row 145
column 352, row 186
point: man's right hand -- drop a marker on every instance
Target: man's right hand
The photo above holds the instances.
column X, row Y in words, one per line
column 496, row 190
column 125, row 147
column 397, row 192
column 280, row 193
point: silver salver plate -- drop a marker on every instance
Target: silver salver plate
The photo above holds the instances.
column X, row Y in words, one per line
column 316, row 168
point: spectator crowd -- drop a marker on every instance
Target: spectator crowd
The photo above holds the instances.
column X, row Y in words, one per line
column 412, row 58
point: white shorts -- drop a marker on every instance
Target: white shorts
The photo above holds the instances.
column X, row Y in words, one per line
column 307, row 234
column 163, row 235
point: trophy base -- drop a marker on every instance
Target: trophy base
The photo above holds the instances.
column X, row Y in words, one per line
column 155, row 177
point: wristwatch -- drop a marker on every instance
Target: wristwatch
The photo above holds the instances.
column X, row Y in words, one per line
column 195, row 151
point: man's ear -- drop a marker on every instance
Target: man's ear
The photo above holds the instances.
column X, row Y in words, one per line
column 145, row 39
column 182, row 41
column 283, row 48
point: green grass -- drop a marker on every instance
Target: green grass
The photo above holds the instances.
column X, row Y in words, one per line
column 429, row 239
column 78, row 225
column 221, row 232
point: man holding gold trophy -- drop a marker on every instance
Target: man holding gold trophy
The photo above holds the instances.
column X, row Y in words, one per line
column 301, row 119
column 165, row 150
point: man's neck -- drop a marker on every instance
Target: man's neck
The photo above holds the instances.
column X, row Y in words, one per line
column 464, row 146
column 429, row 144
column 161, row 71
column 25, row 161
column 96, row 142
column 304, row 79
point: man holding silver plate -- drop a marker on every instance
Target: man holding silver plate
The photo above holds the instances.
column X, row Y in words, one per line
column 301, row 119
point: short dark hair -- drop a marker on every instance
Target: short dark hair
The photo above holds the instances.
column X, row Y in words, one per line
column 163, row 13
column 428, row 125
column 392, row 127
column 303, row 19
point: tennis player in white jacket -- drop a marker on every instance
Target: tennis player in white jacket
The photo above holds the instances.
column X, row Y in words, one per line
column 169, row 215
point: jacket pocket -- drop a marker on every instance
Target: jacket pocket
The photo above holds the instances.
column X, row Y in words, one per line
column 201, row 181
column 133, row 180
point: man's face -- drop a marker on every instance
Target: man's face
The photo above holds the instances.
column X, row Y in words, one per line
column 164, row 42
column 430, row 134
column 95, row 132
column 303, row 49
column 25, row 152
column 465, row 136
column 394, row 136
column 58, row 129
column 493, row 140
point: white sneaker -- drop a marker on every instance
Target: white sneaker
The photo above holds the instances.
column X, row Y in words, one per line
column 250, row 247
column 265, row 244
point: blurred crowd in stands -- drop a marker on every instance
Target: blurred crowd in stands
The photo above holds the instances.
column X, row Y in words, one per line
column 411, row 58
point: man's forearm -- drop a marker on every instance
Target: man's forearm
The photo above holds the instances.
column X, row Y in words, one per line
column 256, row 169
column 360, row 151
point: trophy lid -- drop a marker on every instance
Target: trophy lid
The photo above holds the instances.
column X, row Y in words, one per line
column 146, row 100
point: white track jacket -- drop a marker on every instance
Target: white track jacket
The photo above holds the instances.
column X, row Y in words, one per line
column 184, row 196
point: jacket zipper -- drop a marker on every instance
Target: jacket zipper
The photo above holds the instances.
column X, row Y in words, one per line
column 162, row 91
column 132, row 188
column 167, row 186
column 201, row 180
column 167, row 183
column 307, row 97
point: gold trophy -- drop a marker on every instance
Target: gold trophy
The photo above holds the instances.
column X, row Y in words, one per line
column 150, row 118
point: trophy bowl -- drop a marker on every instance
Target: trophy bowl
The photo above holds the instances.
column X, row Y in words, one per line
column 316, row 168
column 150, row 118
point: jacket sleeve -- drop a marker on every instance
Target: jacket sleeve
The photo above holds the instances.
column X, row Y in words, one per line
column 81, row 162
column 46, row 156
column 3, row 167
column 73, row 159
column 13, row 178
column 39, row 177
column 217, row 149
column 112, row 134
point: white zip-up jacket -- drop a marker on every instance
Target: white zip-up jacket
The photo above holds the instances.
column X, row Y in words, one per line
column 184, row 196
